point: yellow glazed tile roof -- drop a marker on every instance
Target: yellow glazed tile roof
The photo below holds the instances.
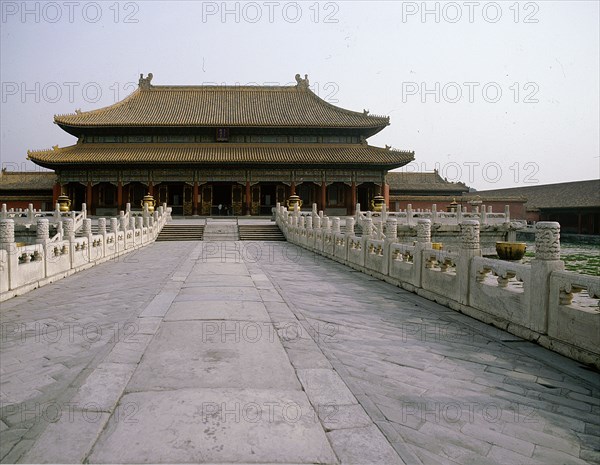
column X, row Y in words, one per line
column 221, row 153
column 223, row 106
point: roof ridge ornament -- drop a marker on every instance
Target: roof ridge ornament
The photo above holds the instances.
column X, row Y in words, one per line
column 144, row 83
column 302, row 83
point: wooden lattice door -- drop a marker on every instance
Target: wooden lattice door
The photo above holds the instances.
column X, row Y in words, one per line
column 163, row 195
column 256, row 199
column 187, row 200
column 206, row 200
column 280, row 194
column 236, row 199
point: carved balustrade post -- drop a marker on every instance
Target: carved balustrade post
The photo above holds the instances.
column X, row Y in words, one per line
column 123, row 221
column 350, row 226
column 43, row 231
column 68, row 228
column 309, row 222
column 547, row 259
column 102, row 226
column 469, row 248
column 86, row 227
column 114, row 225
column 336, row 225
column 7, row 234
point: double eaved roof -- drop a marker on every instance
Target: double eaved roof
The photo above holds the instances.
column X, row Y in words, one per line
column 223, row 106
column 219, row 154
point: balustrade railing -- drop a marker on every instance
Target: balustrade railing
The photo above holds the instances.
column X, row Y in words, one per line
column 537, row 301
column 73, row 247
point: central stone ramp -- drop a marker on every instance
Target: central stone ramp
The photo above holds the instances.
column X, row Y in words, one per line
column 225, row 229
column 215, row 384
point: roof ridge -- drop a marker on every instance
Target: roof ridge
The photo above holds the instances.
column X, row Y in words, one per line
column 346, row 111
column 90, row 112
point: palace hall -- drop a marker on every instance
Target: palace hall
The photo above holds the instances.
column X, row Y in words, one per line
column 243, row 148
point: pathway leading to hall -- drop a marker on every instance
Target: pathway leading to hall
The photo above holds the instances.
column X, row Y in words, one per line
column 233, row 352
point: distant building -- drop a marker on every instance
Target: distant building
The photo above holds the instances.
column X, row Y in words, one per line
column 421, row 190
column 575, row 205
column 20, row 188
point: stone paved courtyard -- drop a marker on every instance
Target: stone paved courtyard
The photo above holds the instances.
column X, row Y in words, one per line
column 233, row 352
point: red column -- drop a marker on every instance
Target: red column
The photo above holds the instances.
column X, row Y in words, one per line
column 353, row 196
column 119, row 195
column 323, row 195
column 386, row 194
column 195, row 199
column 293, row 188
column 150, row 188
column 248, row 199
column 88, row 197
column 56, row 191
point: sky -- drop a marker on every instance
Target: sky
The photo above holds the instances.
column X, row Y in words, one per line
column 492, row 94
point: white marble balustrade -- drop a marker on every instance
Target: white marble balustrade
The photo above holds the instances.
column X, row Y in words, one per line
column 537, row 301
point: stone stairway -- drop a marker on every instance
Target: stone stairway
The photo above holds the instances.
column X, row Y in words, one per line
column 181, row 232
column 221, row 230
column 260, row 232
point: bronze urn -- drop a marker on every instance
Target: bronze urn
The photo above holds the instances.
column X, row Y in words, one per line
column 510, row 250
column 377, row 203
column 148, row 200
column 64, row 203
column 293, row 201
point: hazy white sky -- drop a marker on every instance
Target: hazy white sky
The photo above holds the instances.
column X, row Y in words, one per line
column 494, row 94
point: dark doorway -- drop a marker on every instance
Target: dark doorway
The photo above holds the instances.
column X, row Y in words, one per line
column 267, row 198
column 365, row 193
column 172, row 193
column 222, row 197
column 76, row 192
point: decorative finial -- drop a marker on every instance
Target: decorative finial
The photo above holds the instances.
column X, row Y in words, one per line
column 302, row 82
column 365, row 112
column 388, row 147
column 78, row 111
column 145, row 83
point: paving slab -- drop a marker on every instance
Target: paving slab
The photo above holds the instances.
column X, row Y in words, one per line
column 214, row 354
column 216, row 426
column 218, row 310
